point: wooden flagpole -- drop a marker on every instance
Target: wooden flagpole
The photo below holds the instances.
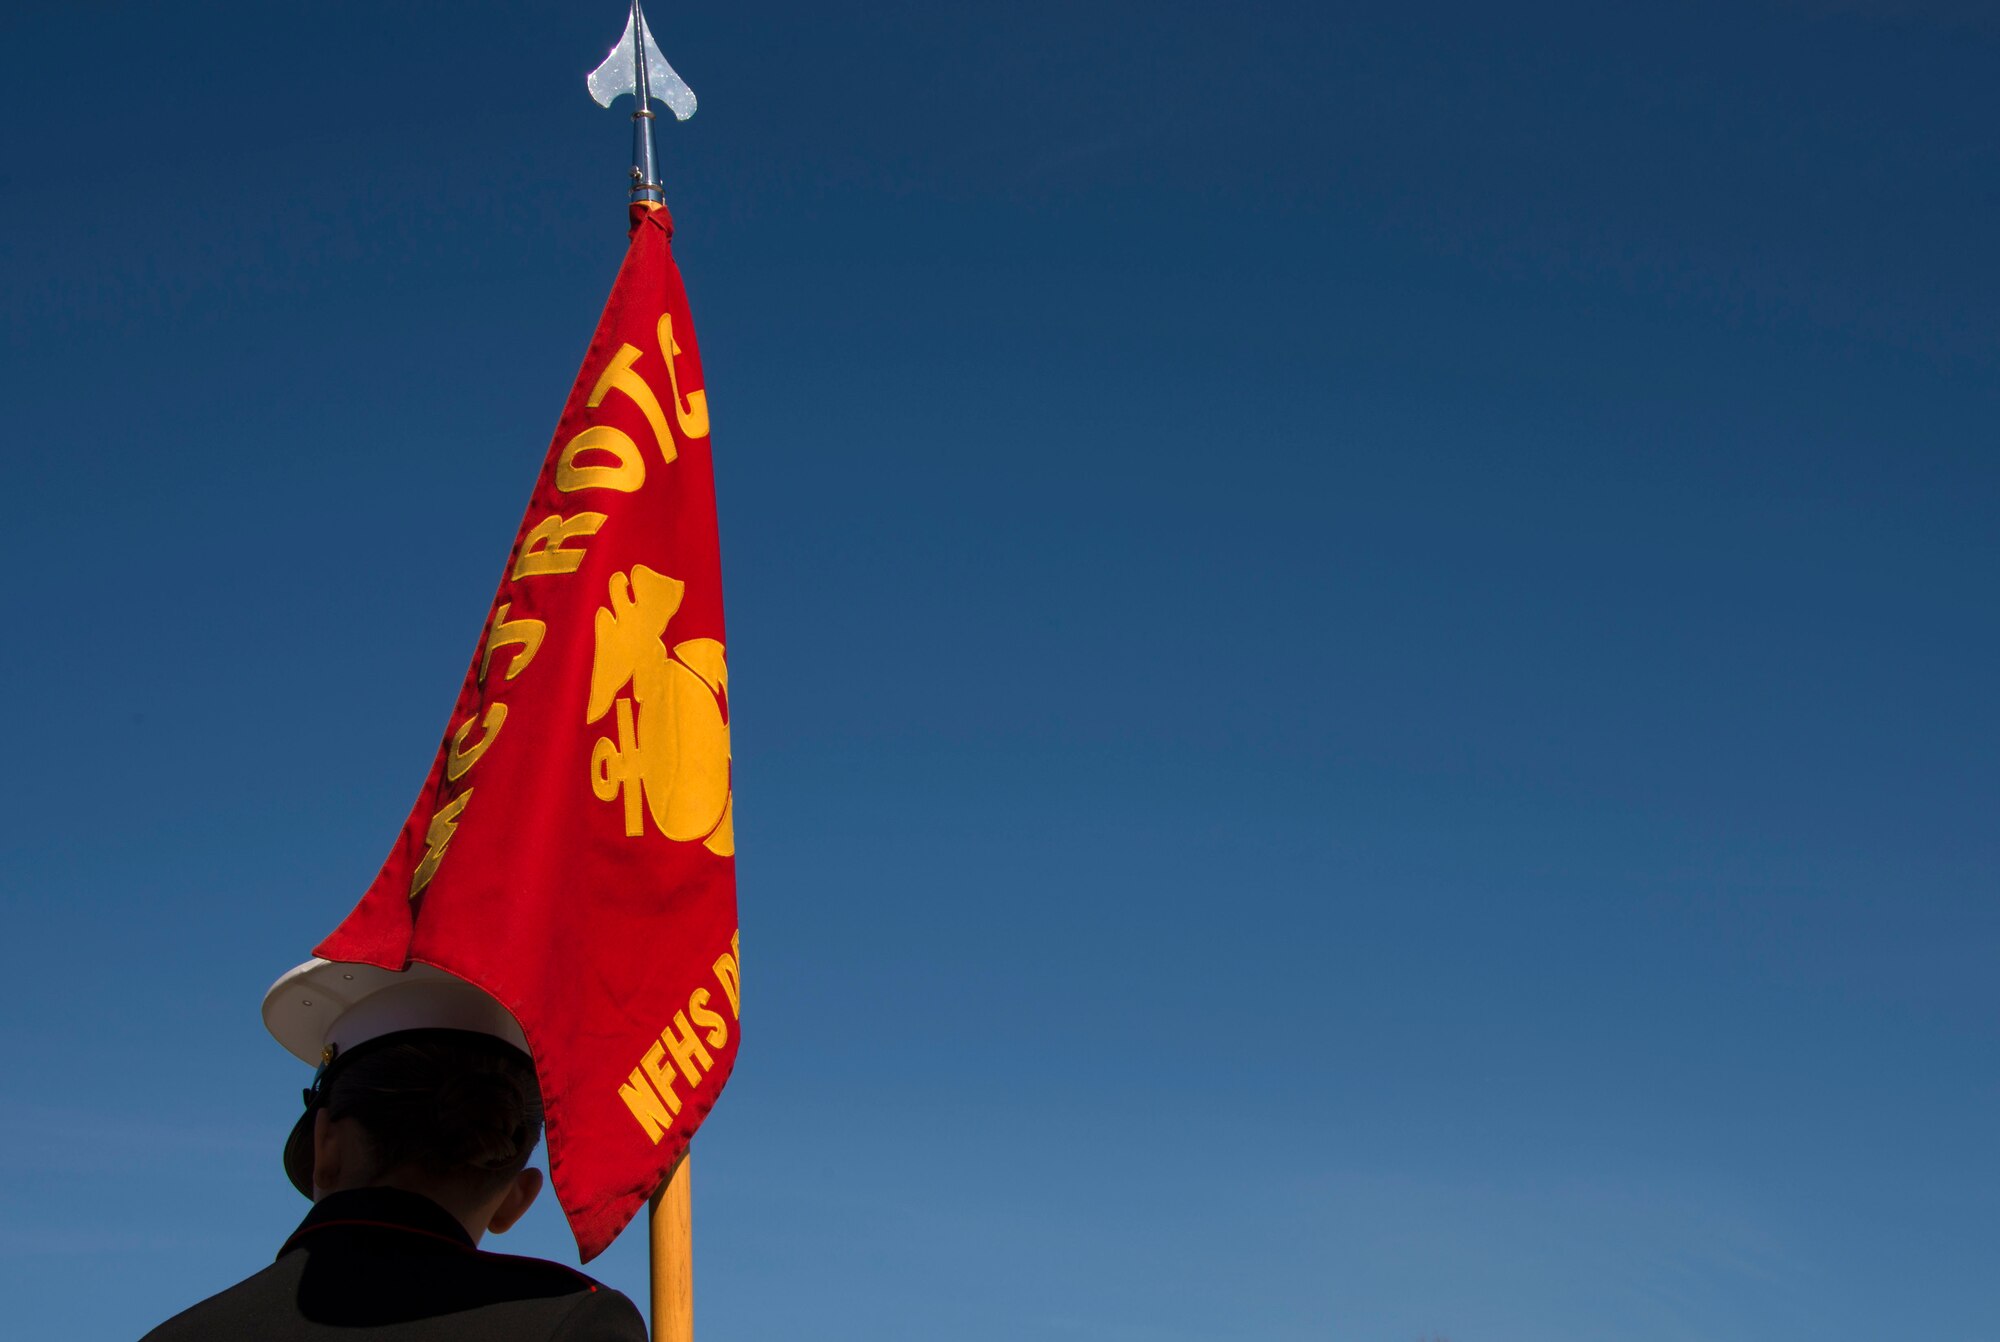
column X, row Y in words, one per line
column 670, row 1224
column 670, row 1239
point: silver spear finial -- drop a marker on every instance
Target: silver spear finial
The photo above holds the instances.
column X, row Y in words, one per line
column 635, row 66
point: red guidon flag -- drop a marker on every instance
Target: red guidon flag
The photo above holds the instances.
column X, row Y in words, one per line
column 572, row 851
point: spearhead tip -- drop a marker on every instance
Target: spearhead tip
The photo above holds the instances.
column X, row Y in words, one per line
column 626, row 71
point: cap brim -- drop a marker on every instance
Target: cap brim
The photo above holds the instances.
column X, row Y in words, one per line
column 325, row 1002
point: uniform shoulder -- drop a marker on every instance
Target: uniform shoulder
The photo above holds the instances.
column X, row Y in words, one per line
column 601, row 1314
column 246, row 1305
column 557, row 1278
column 595, row 1304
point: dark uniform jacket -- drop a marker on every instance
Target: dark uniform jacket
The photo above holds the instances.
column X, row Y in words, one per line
column 376, row 1264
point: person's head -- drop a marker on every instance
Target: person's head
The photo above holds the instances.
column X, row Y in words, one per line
column 424, row 1084
column 449, row 1114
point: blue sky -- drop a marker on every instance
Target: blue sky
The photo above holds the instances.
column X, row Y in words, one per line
column 1363, row 639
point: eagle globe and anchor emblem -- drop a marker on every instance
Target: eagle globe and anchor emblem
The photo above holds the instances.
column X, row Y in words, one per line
column 670, row 754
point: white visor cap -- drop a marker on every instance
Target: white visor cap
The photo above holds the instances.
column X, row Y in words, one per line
column 324, row 1002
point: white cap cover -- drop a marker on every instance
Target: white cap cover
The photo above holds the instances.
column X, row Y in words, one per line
column 324, row 1002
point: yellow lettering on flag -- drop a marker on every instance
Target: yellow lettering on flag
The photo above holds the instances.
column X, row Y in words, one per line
column 458, row 760
column 645, row 1104
column 693, row 417
column 618, row 376
column 526, row 634
column 542, row 550
column 718, row 1031
column 626, row 475
column 687, row 1048
column 726, row 974
column 662, row 1076
column 649, row 1092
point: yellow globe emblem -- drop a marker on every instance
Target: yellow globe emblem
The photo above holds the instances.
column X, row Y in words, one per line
column 670, row 755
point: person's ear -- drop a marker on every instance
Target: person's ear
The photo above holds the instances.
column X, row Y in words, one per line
column 329, row 1154
column 514, row 1204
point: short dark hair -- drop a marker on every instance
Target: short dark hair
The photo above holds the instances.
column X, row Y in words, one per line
column 454, row 1104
